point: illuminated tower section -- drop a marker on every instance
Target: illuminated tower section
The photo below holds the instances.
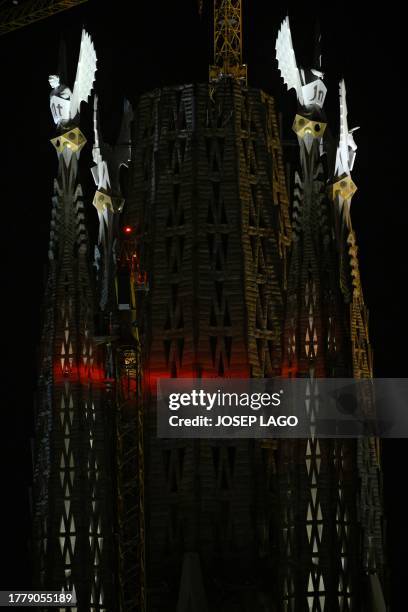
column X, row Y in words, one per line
column 208, row 190
column 367, row 455
column 208, row 198
column 313, row 347
column 328, row 487
column 73, row 479
column 236, row 289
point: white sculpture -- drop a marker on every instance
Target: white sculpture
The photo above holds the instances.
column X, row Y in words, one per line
column 309, row 94
column 100, row 171
column 64, row 103
column 346, row 151
column 109, row 159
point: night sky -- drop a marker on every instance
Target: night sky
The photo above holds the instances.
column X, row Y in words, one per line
column 163, row 43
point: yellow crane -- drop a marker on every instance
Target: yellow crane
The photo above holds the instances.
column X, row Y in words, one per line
column 20, row 14
column 227, row 40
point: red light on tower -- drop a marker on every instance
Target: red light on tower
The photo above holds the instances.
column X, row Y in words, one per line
column 127, row 229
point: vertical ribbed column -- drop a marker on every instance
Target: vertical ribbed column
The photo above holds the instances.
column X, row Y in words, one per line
column 74, row 494
column 209, row 199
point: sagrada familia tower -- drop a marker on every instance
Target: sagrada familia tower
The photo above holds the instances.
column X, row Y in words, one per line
column 206, row 269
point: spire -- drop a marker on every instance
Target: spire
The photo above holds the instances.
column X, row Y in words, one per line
column 73, row 455
column 228, row 41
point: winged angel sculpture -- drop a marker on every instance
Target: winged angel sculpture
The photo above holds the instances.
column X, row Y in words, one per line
column 65, row 104
column 346, row 151
column 108, row 199
column 308, row 84
column 109, row 160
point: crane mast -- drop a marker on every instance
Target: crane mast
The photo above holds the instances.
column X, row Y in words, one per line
column 228, row 41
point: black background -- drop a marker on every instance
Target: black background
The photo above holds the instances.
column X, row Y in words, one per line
column 145, row 44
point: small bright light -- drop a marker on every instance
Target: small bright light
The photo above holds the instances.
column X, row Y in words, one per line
column 127, row 229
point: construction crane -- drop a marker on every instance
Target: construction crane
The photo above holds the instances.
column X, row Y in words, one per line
column 228, row 41
column 20, row 14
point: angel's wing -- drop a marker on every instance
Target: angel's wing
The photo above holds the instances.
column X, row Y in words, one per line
column 109, row 160
column 346, row 151
column 85, row 75
column 100, row 152
column 285, row 54
column 343, row 145
column 96, row 151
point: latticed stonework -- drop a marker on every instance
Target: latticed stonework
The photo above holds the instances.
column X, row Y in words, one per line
column 232, row 287
column 208, row 195
column 73, row 480
column 208, row 189
column 367, row 451
column 319, row 542
column 209, row 199
column 332, row 484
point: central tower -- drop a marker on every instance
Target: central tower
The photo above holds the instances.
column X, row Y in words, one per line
column 209, row 201
column 241, row 284
column 209, row 194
